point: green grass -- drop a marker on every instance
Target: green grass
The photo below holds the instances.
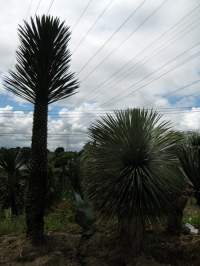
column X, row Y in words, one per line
column 9, row 225
column 59, row 219
column 193, row 218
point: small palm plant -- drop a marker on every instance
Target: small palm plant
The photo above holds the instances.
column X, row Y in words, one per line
column 189, row 156
column 130, row 170
column 41, row 77
column 11, row 162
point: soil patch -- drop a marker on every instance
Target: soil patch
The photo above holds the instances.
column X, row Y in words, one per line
column 102, row 249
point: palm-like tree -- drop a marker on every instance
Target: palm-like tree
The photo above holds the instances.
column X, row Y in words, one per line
column 11, row 161
column 41, row 77
column 189, row 156
column 130, row 166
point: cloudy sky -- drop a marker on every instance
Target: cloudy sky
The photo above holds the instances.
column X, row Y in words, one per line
column 126, row 54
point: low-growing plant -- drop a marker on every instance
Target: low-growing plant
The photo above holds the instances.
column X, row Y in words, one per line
column 12, row 225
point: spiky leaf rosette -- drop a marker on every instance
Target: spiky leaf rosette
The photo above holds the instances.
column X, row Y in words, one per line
column 11, row 160
column 189, row 156
column 43, row 61
column 131, row 166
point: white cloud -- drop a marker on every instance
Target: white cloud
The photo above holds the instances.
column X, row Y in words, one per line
column 16, row 127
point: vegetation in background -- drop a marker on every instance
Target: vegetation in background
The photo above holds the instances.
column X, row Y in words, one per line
column 12, row 184
column 64, row 192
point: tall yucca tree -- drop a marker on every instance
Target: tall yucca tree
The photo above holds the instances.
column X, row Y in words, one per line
column 42, row 77
column 131, row 170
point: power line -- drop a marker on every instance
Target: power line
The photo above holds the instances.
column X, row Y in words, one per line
column 159, row 107
column 182, row 88
column 13, row 58
column 155, row 79
column 177, row 90
column 92, row 26
column 164, row 110
column 182, row 112
column 193, row 95
column 38, row 6
column 82, row 14
column 155, row 53
column 29, row 8
column 76, row 115
column 93, row 112
column 124, row 41
column 50, row 6
column 152, row 73
column 50, row 134
column 111, row 36
column 102, row 84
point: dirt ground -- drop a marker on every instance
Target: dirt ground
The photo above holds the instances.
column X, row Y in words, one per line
column 102, row 249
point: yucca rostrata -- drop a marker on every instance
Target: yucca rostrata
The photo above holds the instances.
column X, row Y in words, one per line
column 130, row 170
column 41, row 76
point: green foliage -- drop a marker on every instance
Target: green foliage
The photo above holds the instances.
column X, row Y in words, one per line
column 68, row 164
column 191, row 213
column 12, row 184
column 59, row 150
column 130, row 165
column 189, row 156
column 60, row 217
column 10, row 225
column 193, row 219
column 11, row 160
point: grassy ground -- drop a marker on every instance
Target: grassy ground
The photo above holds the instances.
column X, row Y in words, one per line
column 65, row 246
column 101, row 249
column 60, row 218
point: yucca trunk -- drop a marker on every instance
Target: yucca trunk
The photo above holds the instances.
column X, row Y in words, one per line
column 37, row 187
column 13, row 205
column 12, row 194
column 174, row 222
column 132, row 236
column 197, row 197
column 175, row 217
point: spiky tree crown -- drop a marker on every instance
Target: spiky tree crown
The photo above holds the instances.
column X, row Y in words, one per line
column 42, row 68
column 130, row 166
column 11, row 160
